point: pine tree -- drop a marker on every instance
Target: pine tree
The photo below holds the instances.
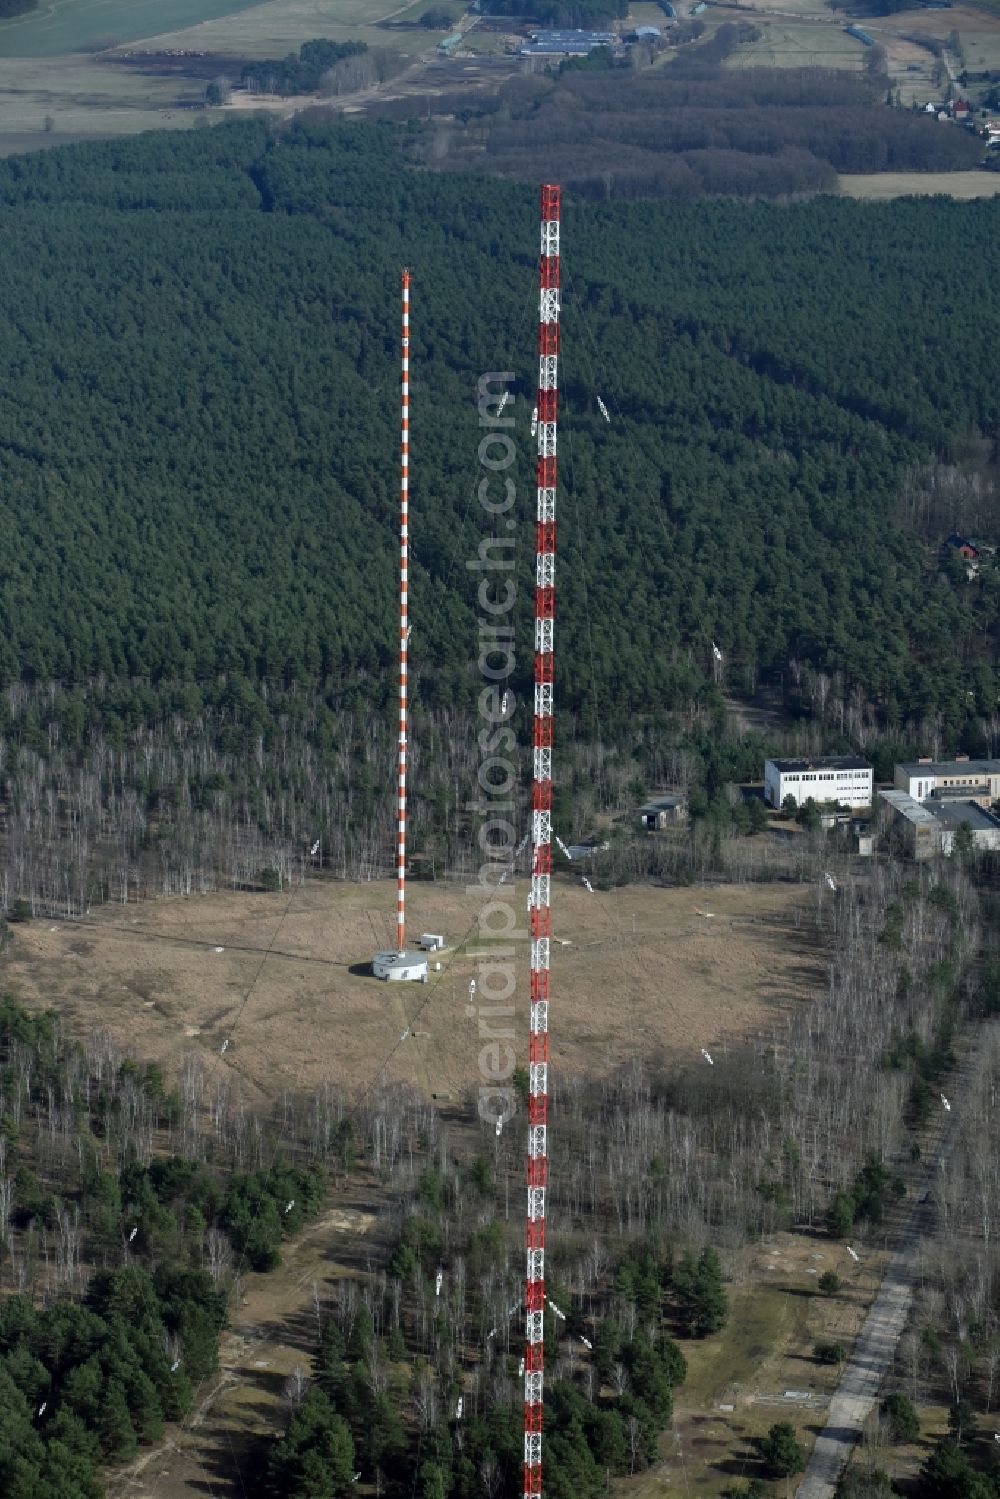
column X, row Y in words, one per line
column 704, row 1305
column 432, row 1482
column 781, row 1451
column 901, row 1417
column 947, row 1473
column 144, row 1408
column 114, row 1424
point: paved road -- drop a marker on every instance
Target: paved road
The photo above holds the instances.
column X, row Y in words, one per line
column 874, row 1351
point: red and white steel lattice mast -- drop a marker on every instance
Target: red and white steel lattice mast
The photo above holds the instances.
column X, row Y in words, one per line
column 404, row 628
column 541, row 836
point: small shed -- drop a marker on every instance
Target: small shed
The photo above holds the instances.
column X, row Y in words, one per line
column 647, row 33
column 663, row 812
column 397, row 967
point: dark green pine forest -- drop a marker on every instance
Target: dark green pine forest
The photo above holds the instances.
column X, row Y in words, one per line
column 198, row 441
column 198, row 374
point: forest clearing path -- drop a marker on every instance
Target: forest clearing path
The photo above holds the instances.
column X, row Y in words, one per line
column 273, row 1328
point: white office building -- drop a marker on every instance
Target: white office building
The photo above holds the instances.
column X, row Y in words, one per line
column 846, row 779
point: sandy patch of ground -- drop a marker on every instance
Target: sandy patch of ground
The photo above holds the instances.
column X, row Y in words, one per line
column 286, row 979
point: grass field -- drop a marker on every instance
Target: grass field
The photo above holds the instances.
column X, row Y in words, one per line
column 808, row 33
column 979, row 37
column 54, row 91
column 646, row 970
column 276, row 27
column 766, row 1348
column 794, row 44
column 55, row 87
column 907, row 184
column 81, row 97
column 979, row 30
column 62, row 26
column 643, row 972
column 644, row 13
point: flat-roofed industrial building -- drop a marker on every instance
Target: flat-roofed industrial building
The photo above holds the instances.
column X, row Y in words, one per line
column 566, row 43
column 974, row 780
column 931, row 827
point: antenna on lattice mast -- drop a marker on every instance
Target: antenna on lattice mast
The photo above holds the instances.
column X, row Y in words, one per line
column 404, row 627
column 541, row 837
column 400, row 964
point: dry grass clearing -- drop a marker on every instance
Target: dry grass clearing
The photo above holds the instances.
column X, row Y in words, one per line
column 907, row 184
column 286, row 980
column 646, row 970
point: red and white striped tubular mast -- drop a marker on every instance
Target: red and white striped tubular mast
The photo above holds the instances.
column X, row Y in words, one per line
column 404, row 629
column 541, row 836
